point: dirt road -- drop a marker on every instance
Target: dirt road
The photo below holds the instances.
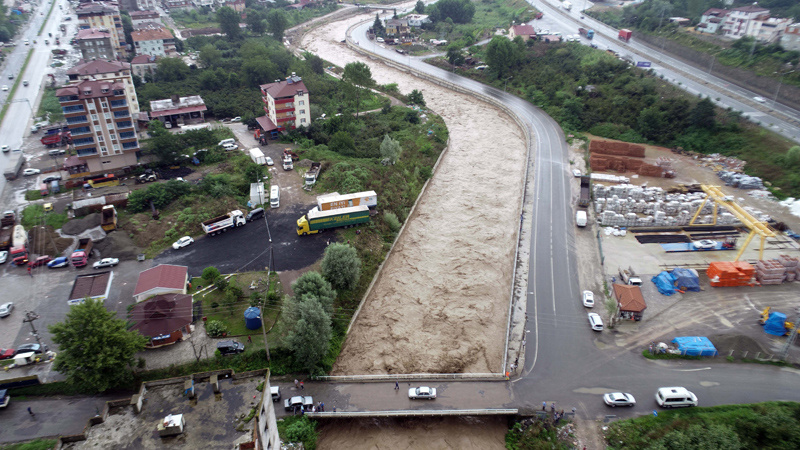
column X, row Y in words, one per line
column 441, row 302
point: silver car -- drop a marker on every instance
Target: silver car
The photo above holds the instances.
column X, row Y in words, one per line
column 6, row 308
column 614, row 399
column 106, row 262
column 422, row 392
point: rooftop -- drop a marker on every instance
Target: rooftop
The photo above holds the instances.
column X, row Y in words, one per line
column 285, row 88
column 92, row 89
column 162, row 314
column 162, row 276
column 630, row 298
column 98, row 66
column 143, row 59
column 151, row 34
column 97, row 8
column 92, row 33
column 91, row 285
column 523, row 30
column 143, row 14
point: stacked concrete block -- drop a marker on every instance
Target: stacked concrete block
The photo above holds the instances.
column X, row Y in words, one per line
column 770, row 272
column 791, row 265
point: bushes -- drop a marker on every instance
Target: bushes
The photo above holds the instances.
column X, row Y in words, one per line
column 215, row 328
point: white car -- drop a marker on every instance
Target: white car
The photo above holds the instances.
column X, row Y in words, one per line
column 229, row 147
column 588, row 299
column 28, row 172
column 705, row 244
column 379, row 39
column 270, row 162
column 614, row 399
column 236, row 119
column 576, row 173
column 5, row 87
column 3, row 256
column 106, row 262
column 6, row 308
column 422, row 392
column 595, row 321
column 4, row 148
column 182, row 242
column 759, row 99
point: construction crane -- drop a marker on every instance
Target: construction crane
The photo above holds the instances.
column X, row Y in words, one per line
column 756, row 227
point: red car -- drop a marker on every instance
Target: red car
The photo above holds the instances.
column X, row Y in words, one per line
column 20, row 260
column 40, row 261
column 6, row 353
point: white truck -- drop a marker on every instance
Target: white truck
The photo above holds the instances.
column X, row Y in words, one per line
column 311, row 176
column 221, row 224
column 287, row 162
column 335, row 200
column 258, row 156
column 568, row 6
column 628, row 276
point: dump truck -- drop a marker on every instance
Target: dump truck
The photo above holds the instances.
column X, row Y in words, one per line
column 18, row 254
column 56, row 136
column 221, row 224
column 315, row 220
column 589, row 34
column 336, row 200
column 258, row 156
column 14, row 165
column 80, row 256
column 567, row 6
column 586, row 191
column 5, row 238
column 108, row 218
column 8, row 219
column 628, row 276
column 288, row 159
column 99, row 181
column 625, row 34
column 312, row 174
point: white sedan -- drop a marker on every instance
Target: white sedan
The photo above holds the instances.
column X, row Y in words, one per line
column 614, row 399
column 588, row 299
column 28, row 172
column 6, row 308
column 5, row 88
column 270, row 162
column 3, row 256
column 182, row 242
column 422, row 392
column 106, row 262
column 705, row 244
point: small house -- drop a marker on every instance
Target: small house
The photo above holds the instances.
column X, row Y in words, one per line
column 161, row 279
column 630, row 301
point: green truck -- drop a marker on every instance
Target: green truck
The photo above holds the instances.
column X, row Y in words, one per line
column 316, row 220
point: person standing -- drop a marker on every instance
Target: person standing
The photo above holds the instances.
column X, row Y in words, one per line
column 302, row 387
column 30, row 411
column 544, row 406
column 296, row 383
column 396, row 386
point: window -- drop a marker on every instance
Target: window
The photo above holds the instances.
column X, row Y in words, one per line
column 87, row 151
column 116, row 103
column 127, row 135
column 76, row 119
column 116, row 147
column 100, row 137
column 301, row 103
column 107, row 115
column 83, row 141
column 124, row 124
column 94, row 117
column 302, row 111
column 119, row 114
column 71, row 109
column 90, row 106
column 130, row 145
column 302, row 120
column 104, row 105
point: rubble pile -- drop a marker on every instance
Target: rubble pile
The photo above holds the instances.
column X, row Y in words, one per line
column 740, row 180
column 720, row 162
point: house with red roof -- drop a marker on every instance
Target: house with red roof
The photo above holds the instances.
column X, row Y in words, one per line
column 286, row 104
column 161, row 279
column 524, row 31
column 165, row 318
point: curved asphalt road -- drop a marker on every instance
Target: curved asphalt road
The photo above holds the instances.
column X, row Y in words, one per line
column 564, row 361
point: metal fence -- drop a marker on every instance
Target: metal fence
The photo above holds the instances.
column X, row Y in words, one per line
column 413, row 413
column 413, row 376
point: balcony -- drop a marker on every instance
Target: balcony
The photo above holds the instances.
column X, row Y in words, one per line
column 80, row 131
column 121, row 114
column 124, row 124
column 73, row 109
column 76, row 120
column 87, row 151
column 127, row 135
column 130, row 145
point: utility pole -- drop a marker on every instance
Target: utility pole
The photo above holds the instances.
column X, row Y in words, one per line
column 263, row 305
column 30, row 316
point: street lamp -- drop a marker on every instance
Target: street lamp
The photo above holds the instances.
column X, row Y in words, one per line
column 506, row 83
column 780, row 83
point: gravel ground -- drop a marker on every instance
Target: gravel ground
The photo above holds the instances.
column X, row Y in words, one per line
column 181, row 352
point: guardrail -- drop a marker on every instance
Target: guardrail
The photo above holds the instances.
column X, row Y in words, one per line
column 412, row 376
column 413, row 413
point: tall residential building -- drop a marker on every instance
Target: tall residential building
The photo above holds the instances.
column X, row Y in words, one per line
column 286, row 104
column 107, row 70
column 95, row 44
column 103, row 16
column 99, row 117
column 153, row 41
column 754, row 21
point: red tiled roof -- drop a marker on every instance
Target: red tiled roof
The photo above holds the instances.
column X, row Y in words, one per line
column 523, row 30
column 91, row 89
column 162, row 276
column 629, row 297
column 98, row 66
column 284, row 88
column 90, row 285
column 73, row 161
column 266, row 124
column 151, row 34
column 92, row 33
column 162, row 314
column 143, row 59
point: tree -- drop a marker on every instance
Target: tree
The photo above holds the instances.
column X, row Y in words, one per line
column 341, row 266
column 792, row 157
column 703, row 115
column 454, row 55
column 377, row 26
column 420, row 7
column 277, row 23
column 255, row 22
column 342, row 142
column 210, row 55
column 229, row 23
column 390, row 150
column 171, row 69
column 359, row 76
column 210, row 274
column 127, row 26
column 461, row 11
column 95, row 348
column 415, row 98
column 312, row 283
column 501, row 55
column 309, row 331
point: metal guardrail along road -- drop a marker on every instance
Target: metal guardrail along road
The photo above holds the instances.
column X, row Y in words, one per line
column 413, row 413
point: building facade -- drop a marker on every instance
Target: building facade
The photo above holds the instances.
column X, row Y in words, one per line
column 178, row 111
column 99, row 118
column 107, row 70
column 144, row 65
column 105, row 17
column 153, row 41
column 791, row 37
column 95, row 44
column 711, row 21
column 753, row 21
column 141, row 17
column 286, row 104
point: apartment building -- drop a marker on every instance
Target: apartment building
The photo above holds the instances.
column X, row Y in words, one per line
column 286, row 104
column 95, row 44
column 107, row 70
column 153, row 41
column 105, row 17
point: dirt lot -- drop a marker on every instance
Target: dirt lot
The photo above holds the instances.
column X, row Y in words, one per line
column 434, row 309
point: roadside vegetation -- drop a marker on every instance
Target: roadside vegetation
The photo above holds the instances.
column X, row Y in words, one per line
column 536, row 433
column 588, row 90
column 50, row 107
column 259, row 16
column 36, row 444
column 770, row 425
column 299, row 429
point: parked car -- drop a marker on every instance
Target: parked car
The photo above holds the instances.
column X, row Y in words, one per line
column 3, row 256
column 705, row 244
column 61, row 261
column 595, row 321
column 40, row 261
column 588, row 299
column 422, row 392
column 230, row 347
column 6, row 353
column 673, row 397
column 614, row 399
column 270, row 162
column 379, row 39
column 182, row 242
column 5, row 148
column 576, row 173
column 254, row 214
column 5, row 87
column 229, row 147
column 236, row 119
column 25, row 83
column 6, row 308
column 28, row 172
column 106, row 262
column 298, row 402
column 275, row 392
column 51, row 178
column 27, row 348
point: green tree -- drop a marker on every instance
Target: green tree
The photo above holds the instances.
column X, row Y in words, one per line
column 501, row 55
column 390, row 150
column 377, row 26
column 342, row 142
column 415, row 98
column 171, row 69
column 229, row 23
column 312, row 283
column 308, row 328
column 210, row 274
column 255, row 22
column 209, row 55
column 277, row 23
column 460, row 11
column 127, row 26
column 454, row 55
column 420, row 7
column 95, row 348
column 341, row 266
column 703, row 115
column 792, row 157
column 358, row 75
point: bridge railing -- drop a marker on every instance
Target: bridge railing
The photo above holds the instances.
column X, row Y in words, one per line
column 413, row 413
column 412, row 376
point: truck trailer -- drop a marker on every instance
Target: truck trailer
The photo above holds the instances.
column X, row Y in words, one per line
column 221, row 224
column 336, row 200
column 80, row 256
column 14, row 164
column 586, row 196
column 589, row 34
column 258, row 156
column 625, row 34
column 315, row 220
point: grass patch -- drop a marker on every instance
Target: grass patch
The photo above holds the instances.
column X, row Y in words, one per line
column 33, row 194
column 216, row 307
column 489, row 16
column 50, row 107
column 34, row 215
column 36, row 444
column 44, row 22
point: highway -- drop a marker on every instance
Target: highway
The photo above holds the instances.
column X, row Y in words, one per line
column 17, row 121
column 564, row 361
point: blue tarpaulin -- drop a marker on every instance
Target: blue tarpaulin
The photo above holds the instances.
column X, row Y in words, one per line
column 695, row 346
column 665, row 283
column 685, row 279
column 775, row 325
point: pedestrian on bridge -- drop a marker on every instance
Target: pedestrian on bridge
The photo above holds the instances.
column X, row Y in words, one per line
column 553, row 407
column 30, row 411
column 544, row 406
column 396, row 386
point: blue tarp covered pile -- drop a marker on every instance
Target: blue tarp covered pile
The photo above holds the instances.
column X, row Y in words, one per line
column 665, row 283
column 686, row 279
column 695, row 346
column 775, row 325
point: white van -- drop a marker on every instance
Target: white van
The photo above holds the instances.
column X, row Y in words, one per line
column 226, row 141
column 580, row 218
column 673, row 397
column 274, row 197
